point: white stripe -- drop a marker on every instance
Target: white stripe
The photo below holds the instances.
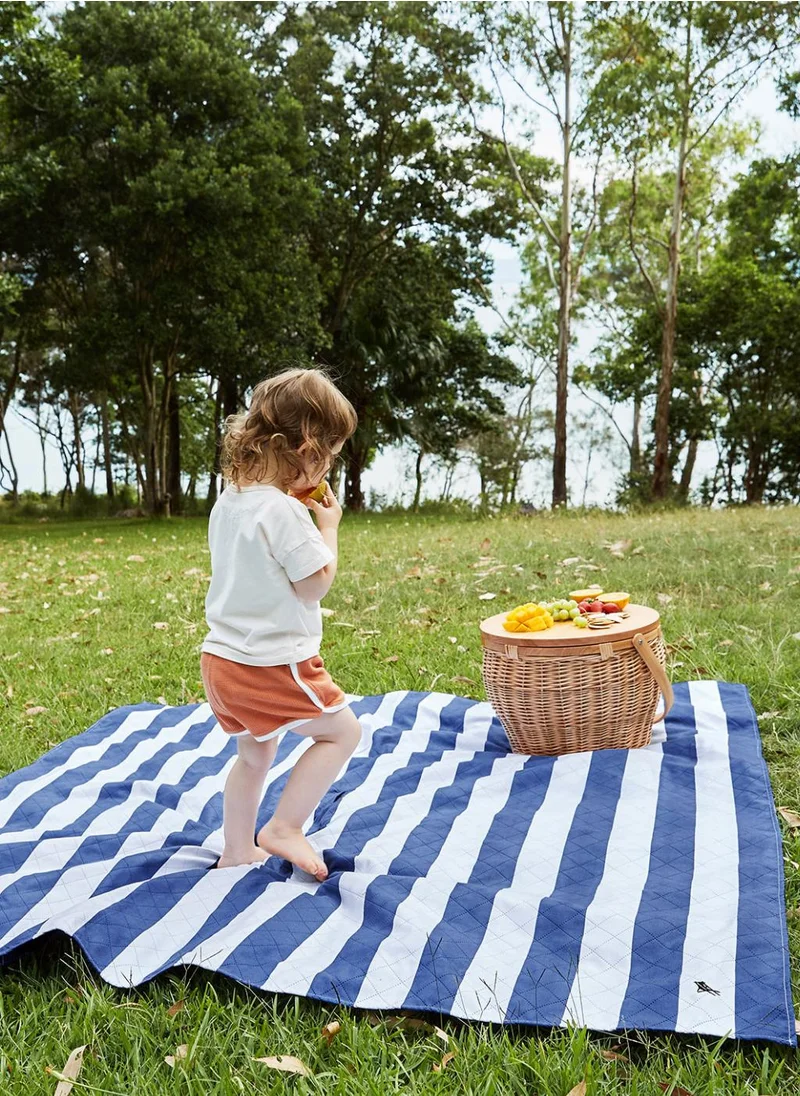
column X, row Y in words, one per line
column 65, row 896
column 306, row 688
column 83, row 796
column 489, row 981
column 709, row 949
column 81, row 756
column 392, row 970
column 599, row 988
column 212, row 952
column 296, row 973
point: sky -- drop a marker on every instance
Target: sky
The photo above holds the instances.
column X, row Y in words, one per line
column 391, row 475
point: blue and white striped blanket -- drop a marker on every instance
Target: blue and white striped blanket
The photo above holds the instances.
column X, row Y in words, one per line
column 616, row 889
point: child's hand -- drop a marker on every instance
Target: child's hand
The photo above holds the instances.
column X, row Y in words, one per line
column 328, row 512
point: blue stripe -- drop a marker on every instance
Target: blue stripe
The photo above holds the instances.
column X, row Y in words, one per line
column 256, row 957
column 546, row 977
column 452, row 945
column 762, row 969
column 32, row 810
column 59, row 754
column 651, row 999
column 342, row 979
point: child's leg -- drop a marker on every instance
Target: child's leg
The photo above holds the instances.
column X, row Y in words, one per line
column 242, row 798
column 335, row 737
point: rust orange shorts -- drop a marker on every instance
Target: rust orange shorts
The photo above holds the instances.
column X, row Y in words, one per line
column 265, row 701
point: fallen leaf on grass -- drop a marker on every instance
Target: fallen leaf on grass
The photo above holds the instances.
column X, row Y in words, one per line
column 330, row 1031
column 135, row 559
column 181, row 1052
column 69, row 1072
column 327, row 612
column 486, row 597
column 107, row 651
column 486, row 544
column 725, row 643
column 392, row 658
column 796, row 635
column 10, row 690
column 177, row 1007
column 790, row 817
column 570, row 561
column 464, row 680
column 612, row 1056
column 439, row 1066
column 673, row 1090
column 341, row 624
column 161, row 625
column 578, row 1090
column 287, row 1064
column 638, row 551
column 619, row 547
column 664, row 599
column 38, row 710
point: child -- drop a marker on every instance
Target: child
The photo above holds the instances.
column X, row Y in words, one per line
column 270, row 566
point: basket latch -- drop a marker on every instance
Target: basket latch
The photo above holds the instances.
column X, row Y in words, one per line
column 512, row 651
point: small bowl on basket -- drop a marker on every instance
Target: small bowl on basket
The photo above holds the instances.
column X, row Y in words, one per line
column 565, row 690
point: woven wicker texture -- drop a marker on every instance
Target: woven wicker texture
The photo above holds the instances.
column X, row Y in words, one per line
column 585, row 696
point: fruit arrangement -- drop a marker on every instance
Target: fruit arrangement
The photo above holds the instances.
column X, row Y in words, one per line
column 528, row 618
column 590, row 608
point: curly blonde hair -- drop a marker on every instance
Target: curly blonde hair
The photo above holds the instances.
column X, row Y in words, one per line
column 294, row 408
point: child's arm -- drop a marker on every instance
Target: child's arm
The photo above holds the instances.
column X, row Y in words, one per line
column 329, row 514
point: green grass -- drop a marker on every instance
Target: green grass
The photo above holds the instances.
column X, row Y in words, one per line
column 77, row 637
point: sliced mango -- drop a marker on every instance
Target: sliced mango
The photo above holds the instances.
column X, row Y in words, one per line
column 583, row 595
column 528, row 618
column 620, row 599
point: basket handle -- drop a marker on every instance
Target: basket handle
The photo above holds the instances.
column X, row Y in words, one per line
column 645, row 652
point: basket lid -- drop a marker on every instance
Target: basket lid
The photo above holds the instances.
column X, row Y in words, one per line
column 641, row 618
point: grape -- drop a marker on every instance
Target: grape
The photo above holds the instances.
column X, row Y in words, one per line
column 563, row 614
column 581, row 622
column 575, row 613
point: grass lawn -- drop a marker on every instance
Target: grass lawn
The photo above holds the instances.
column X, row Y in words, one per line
column 97, row 615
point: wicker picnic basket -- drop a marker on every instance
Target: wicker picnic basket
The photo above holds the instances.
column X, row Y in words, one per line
column 565, row 689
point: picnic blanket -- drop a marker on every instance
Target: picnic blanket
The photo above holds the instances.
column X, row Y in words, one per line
column 613, row 889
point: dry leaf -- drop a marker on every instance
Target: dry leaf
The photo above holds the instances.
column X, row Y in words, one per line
column 415, row 572
column 666, row 1086
column 10, row 691
column 664, row 599
column 392, row 658
column 612, row 1056
column 173, row 1009
column 486, row 544
column 464, row 680
column 765, row 586
column 287, row 1064
column 790, row 817
column 578, row 1090
column 107, row 651
column 486, row 597
column 193, row 571
column 341, row 624
column 161, row 625
column 327, row 612
column 570, row 561
column 181, row 1052
column 135, row 559
column 619, row 548
column 638, row 551
column 38, row 710
column 439, row 1066
column 725, row 643
column 330, row 1031
column 69, row 1073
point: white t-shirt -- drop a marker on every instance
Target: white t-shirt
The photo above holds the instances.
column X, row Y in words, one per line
column 262, row 541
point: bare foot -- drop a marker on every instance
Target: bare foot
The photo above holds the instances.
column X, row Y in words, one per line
column 252, row 856
column 292, row 845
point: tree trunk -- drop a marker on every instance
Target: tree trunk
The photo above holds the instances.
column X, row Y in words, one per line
column 76, row 425
column 102, row 403
column 13, row 471
column 418, row 473
column 636, row 440
column 688, row 469
column 353, row 493
column 564, row 291
column 661, row 470
column 174, row 448
column 213, row 483
column 11, row 384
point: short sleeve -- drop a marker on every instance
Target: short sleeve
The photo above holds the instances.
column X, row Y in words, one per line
column 294, row 539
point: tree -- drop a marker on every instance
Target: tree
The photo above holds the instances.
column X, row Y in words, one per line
column 673, row 71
